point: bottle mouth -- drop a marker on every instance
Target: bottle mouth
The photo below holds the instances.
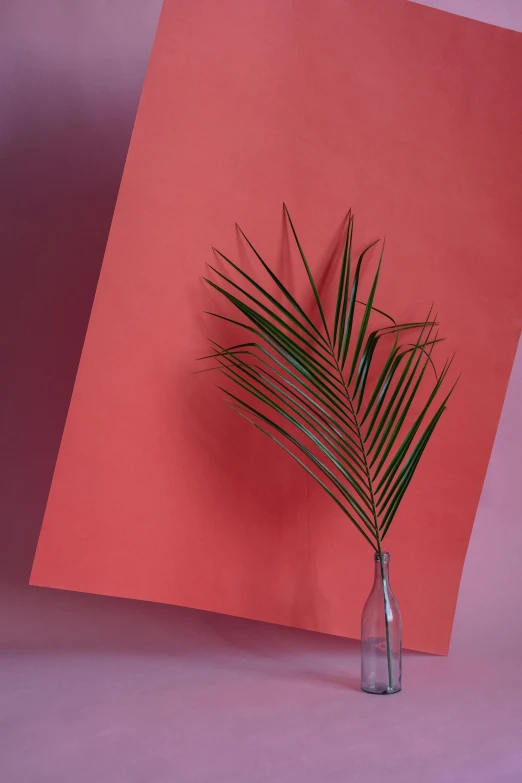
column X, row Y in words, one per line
column 382, row 556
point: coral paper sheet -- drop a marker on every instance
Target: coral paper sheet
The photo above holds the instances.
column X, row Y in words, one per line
column 412, row 117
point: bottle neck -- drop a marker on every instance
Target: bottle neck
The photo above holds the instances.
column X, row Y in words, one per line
column 382, row 566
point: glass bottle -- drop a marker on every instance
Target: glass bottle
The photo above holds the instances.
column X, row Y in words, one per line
column 381, row 634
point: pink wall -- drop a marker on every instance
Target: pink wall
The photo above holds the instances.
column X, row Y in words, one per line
column 489, row 597
column 488, row 609
column 503, row 13
column 69, row 86
column 171, row 525
column 70, row 79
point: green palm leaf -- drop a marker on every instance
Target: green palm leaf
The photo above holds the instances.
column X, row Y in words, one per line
column 347, row 401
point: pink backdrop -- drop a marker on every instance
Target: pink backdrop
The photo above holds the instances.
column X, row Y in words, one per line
column 70, row 80
column 153, row 496
column 504, row 13
column 105, row 689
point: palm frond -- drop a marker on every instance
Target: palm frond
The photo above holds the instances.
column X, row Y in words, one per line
column 328, row 395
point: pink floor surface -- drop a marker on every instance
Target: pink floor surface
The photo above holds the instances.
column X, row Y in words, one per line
column 115, row 691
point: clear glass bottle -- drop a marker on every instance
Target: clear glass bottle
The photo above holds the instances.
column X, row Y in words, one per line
column 381, row 635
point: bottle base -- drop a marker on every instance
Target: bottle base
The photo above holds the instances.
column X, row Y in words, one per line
column 378, row 690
